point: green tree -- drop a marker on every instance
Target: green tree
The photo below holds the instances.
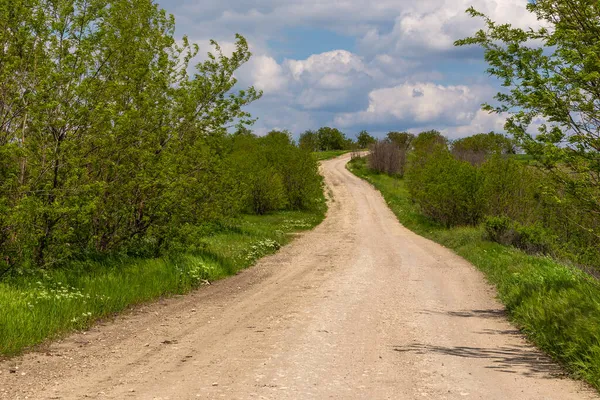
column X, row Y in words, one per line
column 309, row 141
column 331, row 139
column 424, row 145
column 109, row 143
column 364, row 140
column 553, row 74
column 477, row 148
column 447, row 190
column 402, row 139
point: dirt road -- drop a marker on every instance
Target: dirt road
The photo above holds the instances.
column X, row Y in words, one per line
column 359, row 308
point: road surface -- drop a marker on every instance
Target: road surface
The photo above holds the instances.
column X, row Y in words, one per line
column 358, row 308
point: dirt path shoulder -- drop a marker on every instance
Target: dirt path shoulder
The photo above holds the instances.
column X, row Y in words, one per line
column 358, row 308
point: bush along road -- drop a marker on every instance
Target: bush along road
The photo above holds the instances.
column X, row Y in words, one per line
column 360, row 307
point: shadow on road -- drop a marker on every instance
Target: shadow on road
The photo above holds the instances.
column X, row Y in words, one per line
column 513, row 360
column 524, row 360
column 489, row 313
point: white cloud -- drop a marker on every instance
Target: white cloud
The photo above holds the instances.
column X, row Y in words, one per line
column 328, row 80
column 264, row 74
column 424, row 25
column 397, row 75
column 418, row 103
column 482, row 122
column 432, row 27
column 337, row 62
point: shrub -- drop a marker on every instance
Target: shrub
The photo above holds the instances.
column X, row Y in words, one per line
column 477, row 149
column 309, row 141
column 446, row 189
column 267, row 192
column 499, row 229
column 387, row 158
column 511, row 189
column 274, row 174
column 109, row 140
column 533, row 239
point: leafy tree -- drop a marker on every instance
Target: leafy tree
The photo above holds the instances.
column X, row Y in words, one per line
column 477, row 148
column 425, row 144
column 309, row 141
column 109, row 143
column 273, row 173
column 402, row 139
column 553, row 74
column 331, row 139
column 446, row 189
column 364, row 139
column 429, row 141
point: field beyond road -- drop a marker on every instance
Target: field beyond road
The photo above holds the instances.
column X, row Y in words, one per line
column 358, row 308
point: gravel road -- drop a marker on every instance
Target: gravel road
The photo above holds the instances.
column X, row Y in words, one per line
column 358, row 308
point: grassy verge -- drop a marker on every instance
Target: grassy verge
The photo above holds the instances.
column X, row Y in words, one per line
column 556, row 306
column 36, row 308
column 524, row 158
column 328, row 155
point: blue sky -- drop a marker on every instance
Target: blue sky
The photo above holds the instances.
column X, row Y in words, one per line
column 357, row 64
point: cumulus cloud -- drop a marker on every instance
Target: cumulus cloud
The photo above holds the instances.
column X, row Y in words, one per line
column 403, row 71
column 264, row 74
column 430, row 28
column 331, row 80
column 418, row 103
column 482, row 122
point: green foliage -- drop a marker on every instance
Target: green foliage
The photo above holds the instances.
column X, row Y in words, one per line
column 402, row 139
column 46, row 304
column 364, row 140
column 332, row 139
column 266, row 190
column 532, row 239
column 428, row 141
column 425, row 144
column 498, row 229
column 107, row 144
column 556, row 306
column 309, row 141
column 478, row 148
column 547, row 219
column 553, row 75
column 325, row 139
column 274, row 174
column 111, row 150
column 511, row 189
column 446, row 189
column 328, row 155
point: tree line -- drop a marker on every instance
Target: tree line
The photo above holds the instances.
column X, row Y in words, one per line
column 551, row 77
column 482, row 179
column 112, row 142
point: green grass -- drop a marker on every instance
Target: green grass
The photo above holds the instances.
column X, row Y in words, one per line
column 328, row 155
column 556, row 306
column 36, row 308
column 524, row 158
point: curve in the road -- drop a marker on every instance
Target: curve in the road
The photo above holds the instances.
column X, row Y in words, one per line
column 358, row 308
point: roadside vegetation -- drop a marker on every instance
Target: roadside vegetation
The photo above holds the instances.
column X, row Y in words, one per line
column 123, row 175
column 556, row 304
column 328, row 155
column 327, row 143
column 45, row 305
column 126, row 172
column 530, row 222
